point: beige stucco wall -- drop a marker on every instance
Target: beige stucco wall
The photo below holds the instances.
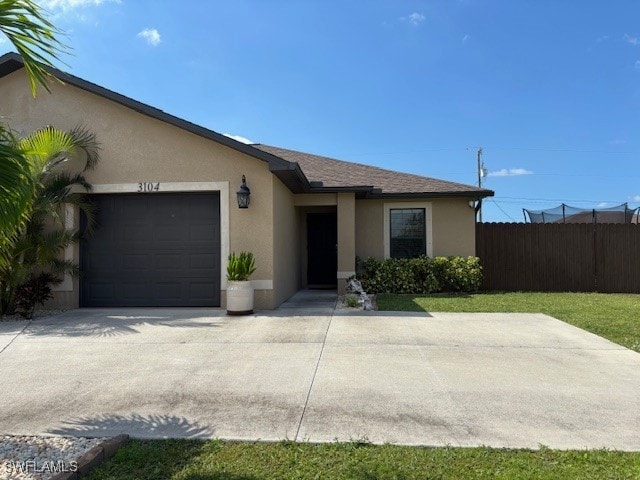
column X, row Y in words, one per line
column 452, row 226
column 346, row 238
column 138, row 148
column 287, row 269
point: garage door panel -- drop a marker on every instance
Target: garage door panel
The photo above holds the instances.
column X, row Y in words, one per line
column 168, row 233
column 201, row 290
column 168, row 290
column 203, row 261
column 139, row 261
column 135, row 290
column 101, row 291
column 132, row 235
column 168, row 261
column 201, row 233
column 153, row 250
column 101, row 262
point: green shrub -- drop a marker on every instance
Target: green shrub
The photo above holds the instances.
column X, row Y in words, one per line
column 35, row 290
column 240, row 267
column 420, row 275
column 351, row 300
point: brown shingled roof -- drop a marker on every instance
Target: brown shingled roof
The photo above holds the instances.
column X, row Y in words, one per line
column 338, row 173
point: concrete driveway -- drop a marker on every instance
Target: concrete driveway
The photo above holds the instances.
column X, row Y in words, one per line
column 504, row 380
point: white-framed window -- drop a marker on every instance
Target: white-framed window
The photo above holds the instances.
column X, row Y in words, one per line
column 407, row 229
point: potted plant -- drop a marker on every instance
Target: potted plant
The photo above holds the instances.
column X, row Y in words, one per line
column 239, row 290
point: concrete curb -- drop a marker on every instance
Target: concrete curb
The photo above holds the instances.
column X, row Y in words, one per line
column 94, row 458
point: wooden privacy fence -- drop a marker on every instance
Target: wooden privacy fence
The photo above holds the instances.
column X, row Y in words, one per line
column 551, row 257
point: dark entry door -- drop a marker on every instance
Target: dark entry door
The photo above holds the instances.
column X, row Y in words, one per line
column 322, row 240
column 160, row 249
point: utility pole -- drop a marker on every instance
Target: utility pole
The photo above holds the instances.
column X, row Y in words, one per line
column 481, row 174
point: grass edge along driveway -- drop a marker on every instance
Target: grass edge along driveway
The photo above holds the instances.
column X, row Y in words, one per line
column 215, row 459
column 613, row 316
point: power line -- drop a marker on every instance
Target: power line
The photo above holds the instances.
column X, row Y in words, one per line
column 566, row 150
column 562, row 200
column 491, row 149
column 593, row 175
column 501, row 209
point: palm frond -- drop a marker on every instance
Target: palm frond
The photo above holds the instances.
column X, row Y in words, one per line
column 60, row 267
column 52, row 244
column 34, row 37
column 85, row 142
column 87, row 210
column 16, row 188
column 47, row 148
column 58, row 188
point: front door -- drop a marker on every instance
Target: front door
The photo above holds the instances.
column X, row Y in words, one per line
column 322, row 250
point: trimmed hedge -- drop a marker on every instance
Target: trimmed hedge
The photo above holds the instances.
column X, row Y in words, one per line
column 420, row 275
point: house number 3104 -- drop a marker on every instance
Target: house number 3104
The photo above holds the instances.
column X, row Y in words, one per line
column 148, row 187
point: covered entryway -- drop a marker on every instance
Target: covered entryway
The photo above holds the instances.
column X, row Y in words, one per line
column 156, row 249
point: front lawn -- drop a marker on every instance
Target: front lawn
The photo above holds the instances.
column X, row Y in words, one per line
column 612, row 316
column 196, row 460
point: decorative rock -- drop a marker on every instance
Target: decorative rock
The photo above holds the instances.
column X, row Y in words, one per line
column 28, row 457
column 367, row 304
column 354, row 286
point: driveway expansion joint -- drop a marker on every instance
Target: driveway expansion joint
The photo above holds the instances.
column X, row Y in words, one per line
column 16, row 336
column 313, row 378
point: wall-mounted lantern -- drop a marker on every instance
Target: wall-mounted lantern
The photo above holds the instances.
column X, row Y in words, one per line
column 243, row 194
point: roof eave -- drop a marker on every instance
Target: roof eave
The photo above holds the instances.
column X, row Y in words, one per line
column 473, row 194
column 291, row 175
column 11, row 62
column 369, row 191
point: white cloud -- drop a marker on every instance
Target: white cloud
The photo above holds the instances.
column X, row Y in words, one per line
column 604, row 205
column 637, row 65
column 510, row 172
column 635, row 41
column 239, row 138
column 151, row 35
column 465, row 38
column 65, row 5
column 634, row 198
column 414, row 19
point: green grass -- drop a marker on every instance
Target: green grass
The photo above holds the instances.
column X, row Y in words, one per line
column 195, row 460
column 612, row 316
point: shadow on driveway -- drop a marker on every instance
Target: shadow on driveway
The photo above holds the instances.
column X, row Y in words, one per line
column 112, row 323
column 136, row 425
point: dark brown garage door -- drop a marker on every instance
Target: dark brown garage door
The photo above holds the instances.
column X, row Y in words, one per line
column 156, row 249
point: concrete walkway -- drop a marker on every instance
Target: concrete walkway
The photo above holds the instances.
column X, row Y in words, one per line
column 305, row 372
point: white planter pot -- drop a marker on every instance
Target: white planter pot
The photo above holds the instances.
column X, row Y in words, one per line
column 239, row 298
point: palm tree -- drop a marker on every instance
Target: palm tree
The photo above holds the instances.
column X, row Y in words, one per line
column 35, row 38
column 38, row 244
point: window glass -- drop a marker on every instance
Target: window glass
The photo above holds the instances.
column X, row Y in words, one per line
column 408, row 233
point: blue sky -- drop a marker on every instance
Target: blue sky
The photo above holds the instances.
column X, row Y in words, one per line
column 549, row 88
